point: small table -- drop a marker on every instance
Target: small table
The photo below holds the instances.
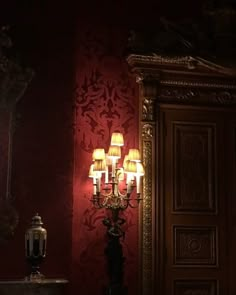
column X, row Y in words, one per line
column 25, row 287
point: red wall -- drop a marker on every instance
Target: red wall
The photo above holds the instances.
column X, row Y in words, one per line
column 105, row 101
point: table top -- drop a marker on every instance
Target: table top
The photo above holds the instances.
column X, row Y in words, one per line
column 26, row 281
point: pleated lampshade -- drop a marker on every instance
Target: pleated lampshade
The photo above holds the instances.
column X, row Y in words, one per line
column 99, row 166
column 134, row 155
column 114, row 152
column 117, row 139
column 131, row 167
column 99, row 154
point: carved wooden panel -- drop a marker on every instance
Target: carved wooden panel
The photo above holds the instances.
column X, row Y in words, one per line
column 195, row 246
column 194, row 170
column 195, row 287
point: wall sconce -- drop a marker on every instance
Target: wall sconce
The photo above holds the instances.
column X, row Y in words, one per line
column 35, row 247
column 113, row 189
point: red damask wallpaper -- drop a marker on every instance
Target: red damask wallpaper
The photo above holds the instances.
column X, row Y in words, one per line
column 105, row 101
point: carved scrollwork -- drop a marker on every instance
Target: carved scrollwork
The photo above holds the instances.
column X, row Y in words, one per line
column 179, row 94
column 192, row 95
column 225, row 98
column 147, row 131
column 148, row 109
column 155, row 58
column 197, row 84
column 147, row 217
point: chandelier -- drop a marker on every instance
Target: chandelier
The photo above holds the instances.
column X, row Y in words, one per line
column 116, row 187
column 108, row 175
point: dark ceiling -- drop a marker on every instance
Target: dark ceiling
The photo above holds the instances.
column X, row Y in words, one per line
column 203, row 23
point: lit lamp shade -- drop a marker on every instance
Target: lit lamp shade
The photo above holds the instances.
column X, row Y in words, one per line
column 140, row 169
column 99, row 166
column 117, row 139
column 114, row 152
column 98, row 154
column 131, row 167
column 134, row 155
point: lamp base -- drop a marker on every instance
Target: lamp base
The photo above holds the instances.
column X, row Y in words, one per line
column 35, row 277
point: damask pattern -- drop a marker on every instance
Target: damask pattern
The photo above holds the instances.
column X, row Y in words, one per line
column 105, row 102
column 105, row 95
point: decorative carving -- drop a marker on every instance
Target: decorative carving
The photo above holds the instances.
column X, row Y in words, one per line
column 154, row 59
column 196, row 96
column 147, row 257
column 194, row 173
column 195, row 246
column 148, row 109
column 178, row 94
column 147, row 131
column 226, row 98
column 195, row 287
column 197, row 84
column 151, row 65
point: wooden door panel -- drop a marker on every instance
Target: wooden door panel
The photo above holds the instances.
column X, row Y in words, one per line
column 193, row 167
column 195, row 246
column 194, row 202
column 199, row 287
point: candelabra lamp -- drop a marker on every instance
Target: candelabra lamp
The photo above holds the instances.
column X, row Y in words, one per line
column 35, row 247
column 115, row 188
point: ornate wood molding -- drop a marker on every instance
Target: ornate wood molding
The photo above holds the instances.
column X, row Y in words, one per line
column 179, row 80
column 148, row 92
column 231, row 86
column 197, row 96
column 149, row 63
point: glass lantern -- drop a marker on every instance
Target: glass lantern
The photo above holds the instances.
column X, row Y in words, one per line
column 35, row 246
